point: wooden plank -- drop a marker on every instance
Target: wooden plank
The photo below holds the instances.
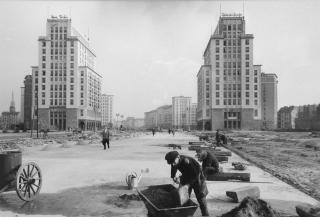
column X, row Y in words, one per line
column 239, row 194
column 245, row 177
column 308, row 211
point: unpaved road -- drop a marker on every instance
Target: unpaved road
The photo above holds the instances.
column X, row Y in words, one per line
column 84, row 180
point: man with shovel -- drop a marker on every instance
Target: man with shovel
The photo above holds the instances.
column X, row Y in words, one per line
column 191, row 175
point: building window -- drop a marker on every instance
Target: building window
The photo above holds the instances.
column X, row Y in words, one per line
column 255, row 80
column 256, row 94
column 71, row 65
column 43, row 87
column 81, row 102
column 81, row 95
column 255, row 87
column 217, row 102
column 247, row 56
column 72, row 51
column 247, row 64
column 43, row 65
column 247, row 79
column 255, row 102
column 217, row 86
column 247, row 94
column 43, row 102
column 71, row 80
column 81, row 112
column 247, row 49
column 43, row 44
column 217, row 94
column 217, row 72
column 247, row 41
column 72, row 58
column 217, row 79
column 247, row 86
column 247, row 102
column 43, row 80
column 43, row 51
column 217, row 42
column 217, row 64
column 71, row 101
column 71, row 87
column 217, row 50
column 71, row 94
column 217, row 57
column 256, row 72
column 247, row 71
column 255, row 113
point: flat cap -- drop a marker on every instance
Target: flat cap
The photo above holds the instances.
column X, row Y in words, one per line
column 171, row 156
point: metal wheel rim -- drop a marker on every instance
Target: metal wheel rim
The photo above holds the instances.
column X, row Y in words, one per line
column 28, row 181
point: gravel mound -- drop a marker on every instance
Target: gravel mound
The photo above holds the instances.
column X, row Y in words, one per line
column 252, row 207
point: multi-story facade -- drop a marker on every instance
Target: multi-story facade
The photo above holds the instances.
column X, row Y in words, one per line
column 150, row 119
column 9, row 120
column 193, row 116
column 164, row 116
column 229, row 84
column 204, row 97
column 106, row 109
column 269, row 101
column 181, row 112
column 66, row 87
column 133, row 123
column 308, row 117
column 286, row 117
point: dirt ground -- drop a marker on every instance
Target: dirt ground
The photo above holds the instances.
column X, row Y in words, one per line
column 294, row 157
column 82, row 179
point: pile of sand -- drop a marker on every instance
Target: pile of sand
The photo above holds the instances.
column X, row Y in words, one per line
column 252, row 207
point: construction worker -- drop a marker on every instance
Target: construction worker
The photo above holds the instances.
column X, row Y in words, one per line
column 210, row 164
column 191, row 175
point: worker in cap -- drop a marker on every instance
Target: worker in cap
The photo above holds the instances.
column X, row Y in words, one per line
column 191, row 175
column 210, row 164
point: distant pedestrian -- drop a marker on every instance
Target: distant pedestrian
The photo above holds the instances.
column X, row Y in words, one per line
column 169, row 131
column 153, row 131
column 172, row 132
column 105, row 138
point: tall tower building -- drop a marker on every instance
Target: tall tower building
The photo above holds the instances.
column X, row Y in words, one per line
column 228, row 81
column 27, row 102
column 66, row 87
column 269, row 100
column 181, row 112
column 106, row 109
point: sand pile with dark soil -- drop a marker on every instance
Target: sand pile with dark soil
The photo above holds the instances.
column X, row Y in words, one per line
column 251, row 207
column 130, row 197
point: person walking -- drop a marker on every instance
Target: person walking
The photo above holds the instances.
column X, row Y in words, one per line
column 105, row 138
column 192, row 176
column 173, row 132
column 153, row 131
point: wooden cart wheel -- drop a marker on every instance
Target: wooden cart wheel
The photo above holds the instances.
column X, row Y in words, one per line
column 29, row 181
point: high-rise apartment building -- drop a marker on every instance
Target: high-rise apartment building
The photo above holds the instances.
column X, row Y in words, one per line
column 229, row 84
column 150, row 119
column 287, row 116
column 181, row 112
column 106, row 109
column 193, row 116
column 269, row 101
column 66, row 87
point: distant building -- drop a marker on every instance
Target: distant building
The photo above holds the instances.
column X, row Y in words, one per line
column 106, row 109
column 269, row 101
column 229, row 84
column 204, row 97
column 181, row 112
column 150, row 119
column 21, row 114
column 193, row 116
column 164, row 116
column 9, row 120
column 308, row 117
column 287, row 117
column 66, row 87
column 26, row 102
column 133, row 123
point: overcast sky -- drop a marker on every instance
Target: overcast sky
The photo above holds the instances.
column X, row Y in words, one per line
column 148, row 51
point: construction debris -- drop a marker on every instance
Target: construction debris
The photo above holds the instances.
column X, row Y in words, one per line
column 252, row 207
column 239, row 166
column 129, row 197
column 239, row 194
column 245, row 177
column 308, row 211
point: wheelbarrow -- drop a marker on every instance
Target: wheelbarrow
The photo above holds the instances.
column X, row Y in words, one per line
column 25, row 179
column 188, row 209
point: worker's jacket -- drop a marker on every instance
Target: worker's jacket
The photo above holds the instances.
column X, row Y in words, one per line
column 210, row 161
column 105, row 134
column 190, row 170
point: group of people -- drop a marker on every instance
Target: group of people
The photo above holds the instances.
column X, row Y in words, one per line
column 171, row 131
column 192, row 174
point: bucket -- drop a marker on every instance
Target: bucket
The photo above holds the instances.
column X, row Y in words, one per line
column 132, row 180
